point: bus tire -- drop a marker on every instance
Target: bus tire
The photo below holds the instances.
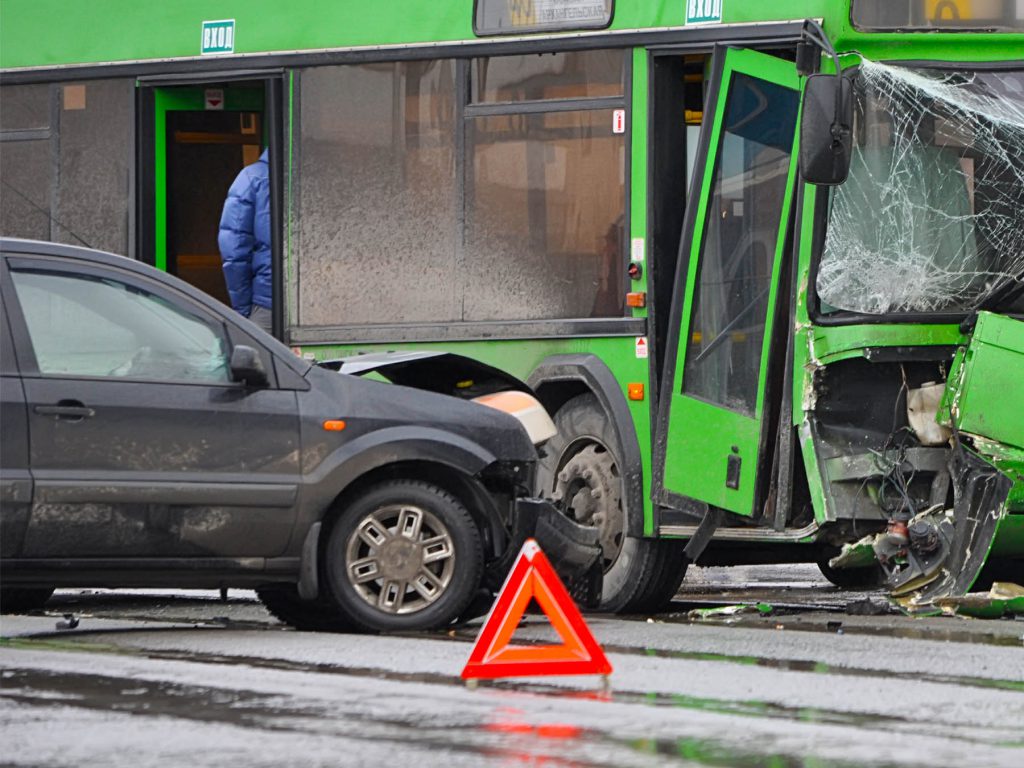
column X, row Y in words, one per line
column 868, row 577
column 388, row 581
column 580, row 472
column 669, row 569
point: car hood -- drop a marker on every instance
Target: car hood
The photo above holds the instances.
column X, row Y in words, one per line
column 442, row 372
column 368, row 405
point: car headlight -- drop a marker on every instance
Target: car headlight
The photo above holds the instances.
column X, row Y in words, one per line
column 526, row 409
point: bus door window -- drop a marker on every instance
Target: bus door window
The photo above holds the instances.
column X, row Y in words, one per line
column 205, row 151
column 715, row 404
column 679, row 84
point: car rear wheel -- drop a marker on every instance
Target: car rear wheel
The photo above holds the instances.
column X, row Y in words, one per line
column 404, row 555
column 23, row 599
column 283, row 602
column 581, row 473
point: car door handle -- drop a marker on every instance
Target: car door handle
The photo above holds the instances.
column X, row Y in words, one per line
column 71, row 410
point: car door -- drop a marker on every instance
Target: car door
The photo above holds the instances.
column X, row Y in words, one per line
column 712, row 418
column 15, row 478
column 140, row 444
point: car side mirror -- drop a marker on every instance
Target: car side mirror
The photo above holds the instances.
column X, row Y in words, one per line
column 826, row 134
column 247, row 367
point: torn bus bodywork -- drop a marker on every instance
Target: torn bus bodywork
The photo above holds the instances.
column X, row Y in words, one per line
column 817, row 312
column 917, row 431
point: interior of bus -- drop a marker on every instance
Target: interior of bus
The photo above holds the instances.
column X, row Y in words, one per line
column 210, row 133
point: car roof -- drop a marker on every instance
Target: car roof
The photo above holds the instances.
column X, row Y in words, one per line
column 15, row 245
column 43, row 248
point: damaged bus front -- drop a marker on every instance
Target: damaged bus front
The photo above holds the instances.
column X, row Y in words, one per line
column 913, row 381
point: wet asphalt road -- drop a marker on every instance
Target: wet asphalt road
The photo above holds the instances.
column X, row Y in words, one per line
column 184, row 679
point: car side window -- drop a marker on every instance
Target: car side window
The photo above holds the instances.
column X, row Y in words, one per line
column 84, row 325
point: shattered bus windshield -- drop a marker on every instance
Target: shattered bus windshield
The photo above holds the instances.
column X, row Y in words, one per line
column 931, row 218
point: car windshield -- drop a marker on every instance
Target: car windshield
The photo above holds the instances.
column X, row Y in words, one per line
column 931, row 218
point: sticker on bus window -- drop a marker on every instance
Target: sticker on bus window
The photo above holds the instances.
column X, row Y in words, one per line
column 213, row 98
column 703, row 11
column 636, row 250
column 619, row 121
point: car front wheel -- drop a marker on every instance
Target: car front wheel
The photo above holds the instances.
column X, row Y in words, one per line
column 403, row 556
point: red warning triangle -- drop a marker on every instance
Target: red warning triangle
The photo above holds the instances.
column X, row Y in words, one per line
column 494, row 656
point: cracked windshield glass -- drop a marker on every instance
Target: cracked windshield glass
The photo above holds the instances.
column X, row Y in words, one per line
column 931, row 218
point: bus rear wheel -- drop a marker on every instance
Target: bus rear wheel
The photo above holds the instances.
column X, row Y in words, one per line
column 580, row 471
column 868, row 577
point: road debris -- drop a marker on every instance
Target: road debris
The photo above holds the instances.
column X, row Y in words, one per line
column 1003, row 599
column 729, row 614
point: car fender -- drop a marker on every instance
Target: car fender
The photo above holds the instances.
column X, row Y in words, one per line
column 366, row 453
column 392, row 445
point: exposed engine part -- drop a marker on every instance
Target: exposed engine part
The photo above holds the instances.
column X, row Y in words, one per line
column 894, row 495
column 921, row 568
column 924, row 537
column 922, row 407
column 912, row 554
column 940, row 551
column 888, row 546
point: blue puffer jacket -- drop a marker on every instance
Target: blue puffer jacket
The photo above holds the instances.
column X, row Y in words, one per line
column 244, row 238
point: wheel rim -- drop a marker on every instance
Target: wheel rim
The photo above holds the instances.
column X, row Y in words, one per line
column 400, row 559
column 588, row 488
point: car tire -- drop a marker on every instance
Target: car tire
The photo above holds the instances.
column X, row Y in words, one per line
column 403, row 556
column 580, row 472
column 283, row 602
column 23, row 599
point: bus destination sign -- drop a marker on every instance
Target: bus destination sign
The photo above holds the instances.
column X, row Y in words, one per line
column 505, row 17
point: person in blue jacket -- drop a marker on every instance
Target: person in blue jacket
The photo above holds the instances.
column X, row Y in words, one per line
column 244, row 241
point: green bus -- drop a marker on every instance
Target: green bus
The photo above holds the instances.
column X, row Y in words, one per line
column 761, row 262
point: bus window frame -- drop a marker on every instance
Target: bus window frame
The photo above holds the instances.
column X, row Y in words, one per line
column 466, row 111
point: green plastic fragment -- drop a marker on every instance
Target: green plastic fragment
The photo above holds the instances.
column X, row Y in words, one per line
column 1004, row 599
column 729, row 613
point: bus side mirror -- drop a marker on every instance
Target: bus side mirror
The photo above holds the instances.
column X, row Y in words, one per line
column 826, row 135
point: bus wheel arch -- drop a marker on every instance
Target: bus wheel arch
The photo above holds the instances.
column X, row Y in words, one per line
column 595, row 446
column 560, row 379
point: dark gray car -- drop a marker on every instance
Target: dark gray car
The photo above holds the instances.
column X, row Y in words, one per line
column 152, row 437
